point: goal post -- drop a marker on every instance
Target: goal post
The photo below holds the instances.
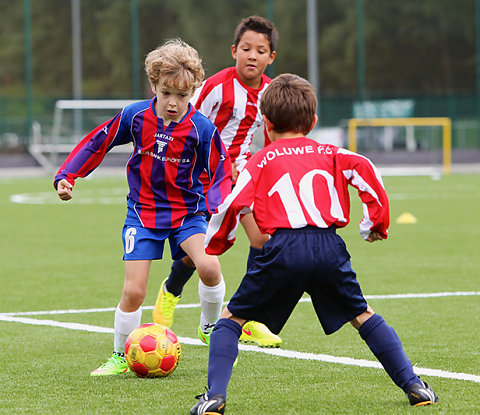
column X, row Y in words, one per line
column 72, row 120
column 444, row 123
column 111, row 105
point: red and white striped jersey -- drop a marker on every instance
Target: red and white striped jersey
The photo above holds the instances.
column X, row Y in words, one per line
column 234, row 108
column 296, row 182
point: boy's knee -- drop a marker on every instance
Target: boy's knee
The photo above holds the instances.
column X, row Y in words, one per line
column 358, row 321
column 133, row 296
column 230, row 324
column 227, row 314
column 209, row 271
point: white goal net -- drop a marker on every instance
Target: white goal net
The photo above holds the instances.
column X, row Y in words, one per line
column 72, row 120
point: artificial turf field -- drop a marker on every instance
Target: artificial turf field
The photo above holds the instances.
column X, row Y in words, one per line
column 61, row 276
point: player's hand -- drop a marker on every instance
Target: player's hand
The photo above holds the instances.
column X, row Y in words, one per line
column 64, row 190
column 234, row 173
column 374, row 236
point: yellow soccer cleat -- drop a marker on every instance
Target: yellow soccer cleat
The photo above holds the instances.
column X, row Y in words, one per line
column 164, row 306
column 259, row 334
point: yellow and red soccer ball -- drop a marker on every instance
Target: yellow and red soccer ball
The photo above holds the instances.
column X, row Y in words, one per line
column 152, row 350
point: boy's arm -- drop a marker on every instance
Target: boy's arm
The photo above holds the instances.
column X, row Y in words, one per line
column 219, row 169
column 205, row 98
column 223, row 224
column 374, row 236
column 266, row 140
column 89, row 153
column 64, row 190
column 364, row 176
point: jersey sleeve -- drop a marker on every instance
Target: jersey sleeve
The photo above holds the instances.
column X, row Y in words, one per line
column 90, row 152
column 364, row 176
column 205, row 99
column 224, row 223
column 219, row 171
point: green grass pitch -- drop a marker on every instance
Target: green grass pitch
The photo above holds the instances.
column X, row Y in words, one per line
column 67, row 256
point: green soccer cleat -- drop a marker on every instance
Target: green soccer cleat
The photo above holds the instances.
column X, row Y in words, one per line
column 205, row 337
column 259, row 334
column 164, row 306
column 116, row 365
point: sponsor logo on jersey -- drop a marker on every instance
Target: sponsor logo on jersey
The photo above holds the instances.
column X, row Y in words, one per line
column 164, row 136
column 161, row 145
column 163, row 158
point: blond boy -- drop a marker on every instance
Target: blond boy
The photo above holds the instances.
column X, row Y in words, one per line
column 173, row 144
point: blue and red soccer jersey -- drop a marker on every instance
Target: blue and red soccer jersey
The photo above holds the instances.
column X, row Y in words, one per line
column 297, row 182
column 164, row 168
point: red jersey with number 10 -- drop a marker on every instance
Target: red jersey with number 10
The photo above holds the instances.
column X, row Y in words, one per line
column 296, row 182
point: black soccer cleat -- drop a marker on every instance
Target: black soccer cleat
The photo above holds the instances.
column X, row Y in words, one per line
column 213, row 406
column 419, row 395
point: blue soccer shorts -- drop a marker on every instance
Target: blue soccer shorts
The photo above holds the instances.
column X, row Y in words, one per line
column 295, row 261
column 141, row 243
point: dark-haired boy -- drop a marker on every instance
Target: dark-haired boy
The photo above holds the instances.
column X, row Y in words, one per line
column 298, row 192
column 230, row 99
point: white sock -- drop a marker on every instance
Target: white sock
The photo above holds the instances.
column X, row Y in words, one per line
column 124, row 324
column 211, row 301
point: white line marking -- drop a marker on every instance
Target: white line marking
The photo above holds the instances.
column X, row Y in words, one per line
column 116, row 195
column 88, row 310
column 302, row 300
column 53, row 323
column 358, row 362
column 111, row 196
column 291, row 354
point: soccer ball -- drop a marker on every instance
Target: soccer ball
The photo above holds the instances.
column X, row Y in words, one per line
column 152, row 350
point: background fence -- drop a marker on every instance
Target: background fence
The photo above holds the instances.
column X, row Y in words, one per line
column 355, row 52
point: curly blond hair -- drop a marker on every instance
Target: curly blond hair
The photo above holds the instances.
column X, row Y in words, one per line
column 175, row 64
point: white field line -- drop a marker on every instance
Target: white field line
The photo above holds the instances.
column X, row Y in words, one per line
column 302, row 300
column 291, row 354
column 116, row 195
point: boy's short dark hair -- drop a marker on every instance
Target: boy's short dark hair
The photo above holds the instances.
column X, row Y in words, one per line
column 290, row 104
column 260, row 25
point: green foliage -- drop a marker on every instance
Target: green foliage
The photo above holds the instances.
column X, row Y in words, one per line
column 68, row 256
column 410, row 46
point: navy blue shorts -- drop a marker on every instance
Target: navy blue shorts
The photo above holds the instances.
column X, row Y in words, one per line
column 295, row 261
